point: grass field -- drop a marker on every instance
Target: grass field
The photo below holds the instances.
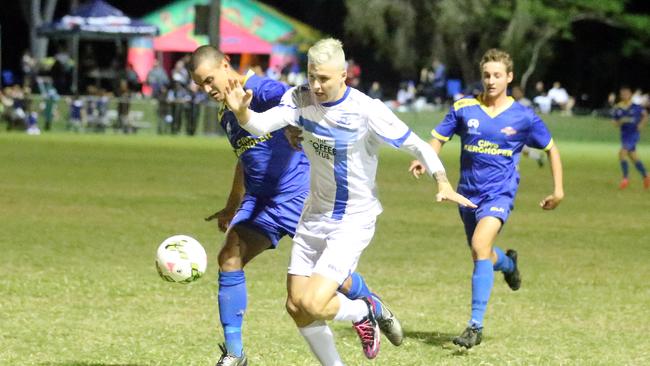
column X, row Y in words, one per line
column 82, row 215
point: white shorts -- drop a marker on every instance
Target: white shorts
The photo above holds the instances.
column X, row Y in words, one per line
column 330, row 248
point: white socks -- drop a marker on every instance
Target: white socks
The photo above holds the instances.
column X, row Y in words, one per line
column 353, row 310
column 321, row 341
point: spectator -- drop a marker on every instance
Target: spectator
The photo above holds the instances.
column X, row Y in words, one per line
column 375, row 91
column 28, row 65
column 75, row 120
column 353, row 78
column 405, row 96
column 180, row 74
column 50, row 108
column 157, row 79
column 518, row 95
column 132, row 79
column 439, row 81
column 197, row 97
column 543, row 103
column 165, row 117
column 123, row 108
column 560, row 98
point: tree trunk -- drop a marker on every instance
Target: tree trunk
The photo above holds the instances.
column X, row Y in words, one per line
column 537, row 48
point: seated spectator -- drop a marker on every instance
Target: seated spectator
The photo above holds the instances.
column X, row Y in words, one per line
column 375, row 91
column 561, row 99
column 405, row 96
column 543, row 103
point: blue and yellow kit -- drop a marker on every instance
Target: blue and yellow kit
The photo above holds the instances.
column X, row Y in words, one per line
column 272, row 168
column 490, row 149
column 629, row 115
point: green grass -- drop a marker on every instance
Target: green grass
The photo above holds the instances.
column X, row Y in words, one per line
column 82, row 215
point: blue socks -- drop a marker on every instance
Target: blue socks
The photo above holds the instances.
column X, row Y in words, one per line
column 359, row 289
column 482, row 281
column 624, row 168
column 503, row 263
column 232, row 306
column 639, row 166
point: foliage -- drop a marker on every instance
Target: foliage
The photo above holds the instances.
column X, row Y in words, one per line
column 409, row 33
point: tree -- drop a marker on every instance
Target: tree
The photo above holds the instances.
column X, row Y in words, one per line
column 408, row 33
column 36, row 13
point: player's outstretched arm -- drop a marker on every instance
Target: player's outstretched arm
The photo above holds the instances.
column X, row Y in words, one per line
column 431, row 162
column 239, row 100
column 225, row 215
column 552, row 201
column 416, row 168
column 447, row 193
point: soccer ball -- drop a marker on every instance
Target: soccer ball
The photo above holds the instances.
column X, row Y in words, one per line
column 181, row 259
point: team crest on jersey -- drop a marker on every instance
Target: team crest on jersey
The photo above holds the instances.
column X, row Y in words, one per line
column 508, row 131
column 473, row 126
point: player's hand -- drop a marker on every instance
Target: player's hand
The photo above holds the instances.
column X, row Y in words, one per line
column 236, row 98
column 417, row 169
column 294, row 136
column 223, row 217
column 552, row 201
column 447, row 193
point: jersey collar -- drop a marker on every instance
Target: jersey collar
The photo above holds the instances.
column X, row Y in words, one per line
column 332, row 104
column 494, row 114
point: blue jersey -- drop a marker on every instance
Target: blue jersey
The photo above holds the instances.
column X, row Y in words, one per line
column 491, row 145
column 273, row 170
column 629, row 115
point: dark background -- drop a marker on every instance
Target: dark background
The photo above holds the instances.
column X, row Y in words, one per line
column 590, row 64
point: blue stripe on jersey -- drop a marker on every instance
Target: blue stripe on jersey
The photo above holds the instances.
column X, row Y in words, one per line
column 332, row 104
column 396, row 142
column 342, row 136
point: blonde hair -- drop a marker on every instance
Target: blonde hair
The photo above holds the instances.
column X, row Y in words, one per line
column 328, row 50
column 497, row 55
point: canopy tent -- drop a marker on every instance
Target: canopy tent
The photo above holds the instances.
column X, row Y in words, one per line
column 95, row 20
column 250, row 16
column 233, row 40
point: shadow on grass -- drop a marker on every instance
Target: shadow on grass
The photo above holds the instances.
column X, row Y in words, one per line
column 432, row 338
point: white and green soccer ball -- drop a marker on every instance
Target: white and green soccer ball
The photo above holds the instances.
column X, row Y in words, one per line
column 181, row 259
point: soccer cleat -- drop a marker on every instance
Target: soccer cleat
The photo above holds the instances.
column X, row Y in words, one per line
column 624, row 183
column 388, row 323
column 513, row 279
column 470, row 337
column 228, row 359
column 368, row 331
column 646, row 182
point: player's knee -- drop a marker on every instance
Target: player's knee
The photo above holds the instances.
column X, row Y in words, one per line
column 292, row 308
column 311, row 306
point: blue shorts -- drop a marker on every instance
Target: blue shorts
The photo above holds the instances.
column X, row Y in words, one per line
column 496, row 206
column 629, row 142
column 274, row 220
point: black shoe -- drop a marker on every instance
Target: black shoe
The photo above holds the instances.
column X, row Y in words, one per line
column 513, row 279
column 470, row 337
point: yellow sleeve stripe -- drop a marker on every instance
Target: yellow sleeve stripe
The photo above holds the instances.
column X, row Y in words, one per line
column 439, row 136
column 465, row 102
column 549, row 146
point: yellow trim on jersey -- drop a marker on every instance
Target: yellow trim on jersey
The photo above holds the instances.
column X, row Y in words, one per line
column 623, row 104
column 439, row 136
column 249, row 73
column 493, row 114
column 549, row 146
column 465, row 102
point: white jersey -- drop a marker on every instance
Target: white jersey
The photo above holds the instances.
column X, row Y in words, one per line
column 341, row 140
